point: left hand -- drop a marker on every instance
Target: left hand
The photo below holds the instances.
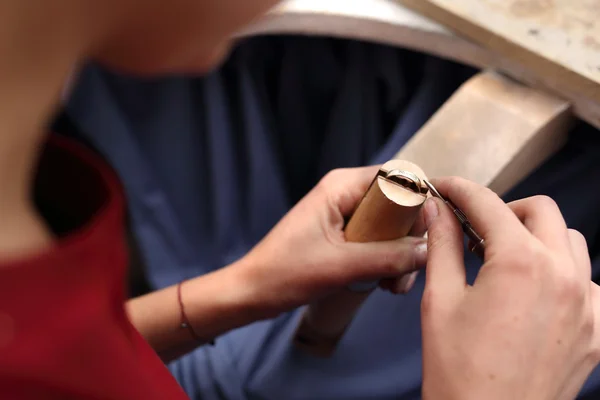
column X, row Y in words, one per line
column 305, row 256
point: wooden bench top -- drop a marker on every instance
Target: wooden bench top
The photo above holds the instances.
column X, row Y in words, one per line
column 549, row 44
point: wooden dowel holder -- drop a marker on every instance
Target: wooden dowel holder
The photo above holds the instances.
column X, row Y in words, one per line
column 387, row 211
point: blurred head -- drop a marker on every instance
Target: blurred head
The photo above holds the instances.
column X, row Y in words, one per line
column 158, row 36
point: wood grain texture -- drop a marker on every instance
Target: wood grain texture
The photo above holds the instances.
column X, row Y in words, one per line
column 557, row 41
column 493, row 131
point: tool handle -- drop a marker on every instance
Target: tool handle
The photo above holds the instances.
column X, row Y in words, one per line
column 324, row 322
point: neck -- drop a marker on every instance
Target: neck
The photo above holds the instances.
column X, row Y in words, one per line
column 38, row 50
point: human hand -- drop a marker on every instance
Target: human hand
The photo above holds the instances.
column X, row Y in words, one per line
column 529, row 326
column 305, row 256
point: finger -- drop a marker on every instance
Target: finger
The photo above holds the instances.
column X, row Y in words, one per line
column 580, row 252
column 488, row 214
column 347, row 186
column 419, row 226
column 385, row 259
column 405, row 284
column 445, row 263
column 400, row 285
column 542, row 217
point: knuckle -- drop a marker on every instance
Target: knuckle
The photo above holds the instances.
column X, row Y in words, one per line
column 543, row 203
column 535, row 250
column 489, row 193
column 569, row 288
column 577, row 236
column 534, row 263
column 388, row 267
column 530, row 262
column 333, row 181
column 397, row 263
column 334, row 176
column 327, row 179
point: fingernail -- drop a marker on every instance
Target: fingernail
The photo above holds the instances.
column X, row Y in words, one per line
column 421, row 254
column 431, row 211
column 407, row 282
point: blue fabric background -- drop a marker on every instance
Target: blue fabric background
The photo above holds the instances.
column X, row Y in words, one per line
column 211, row 163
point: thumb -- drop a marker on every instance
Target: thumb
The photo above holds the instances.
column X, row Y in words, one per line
column 386, row 259
column 445, row 266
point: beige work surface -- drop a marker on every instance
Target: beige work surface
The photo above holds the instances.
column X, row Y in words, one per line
column 492, row 131
column 557, row 41
column 393, row 23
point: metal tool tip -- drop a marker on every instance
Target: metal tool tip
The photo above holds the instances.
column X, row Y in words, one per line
column 432, row 189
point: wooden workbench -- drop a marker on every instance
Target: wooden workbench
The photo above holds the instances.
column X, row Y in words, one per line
column 553, row 45
column 556, row 42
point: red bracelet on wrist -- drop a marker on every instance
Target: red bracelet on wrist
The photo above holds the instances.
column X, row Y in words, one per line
column 185, row 323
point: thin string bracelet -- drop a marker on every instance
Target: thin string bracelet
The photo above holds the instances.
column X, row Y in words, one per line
column 185, row 323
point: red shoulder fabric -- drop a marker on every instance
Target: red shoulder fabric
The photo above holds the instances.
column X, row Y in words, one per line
column 64, row 333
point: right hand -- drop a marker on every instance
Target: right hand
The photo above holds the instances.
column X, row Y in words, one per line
column 529, row 326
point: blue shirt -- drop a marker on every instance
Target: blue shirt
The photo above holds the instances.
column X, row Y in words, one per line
column 211, row 163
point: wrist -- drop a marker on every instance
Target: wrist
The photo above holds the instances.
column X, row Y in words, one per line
column 250, row 290
column 223, row 300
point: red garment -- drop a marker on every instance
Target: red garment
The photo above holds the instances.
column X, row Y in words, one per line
column 64, row 333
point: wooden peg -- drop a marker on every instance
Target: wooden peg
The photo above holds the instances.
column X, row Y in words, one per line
column 387, row 211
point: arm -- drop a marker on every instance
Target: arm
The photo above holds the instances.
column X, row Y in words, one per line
column 303, row 258
column 214, row 303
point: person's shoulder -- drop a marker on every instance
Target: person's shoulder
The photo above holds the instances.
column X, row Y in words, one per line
column 63, row 328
